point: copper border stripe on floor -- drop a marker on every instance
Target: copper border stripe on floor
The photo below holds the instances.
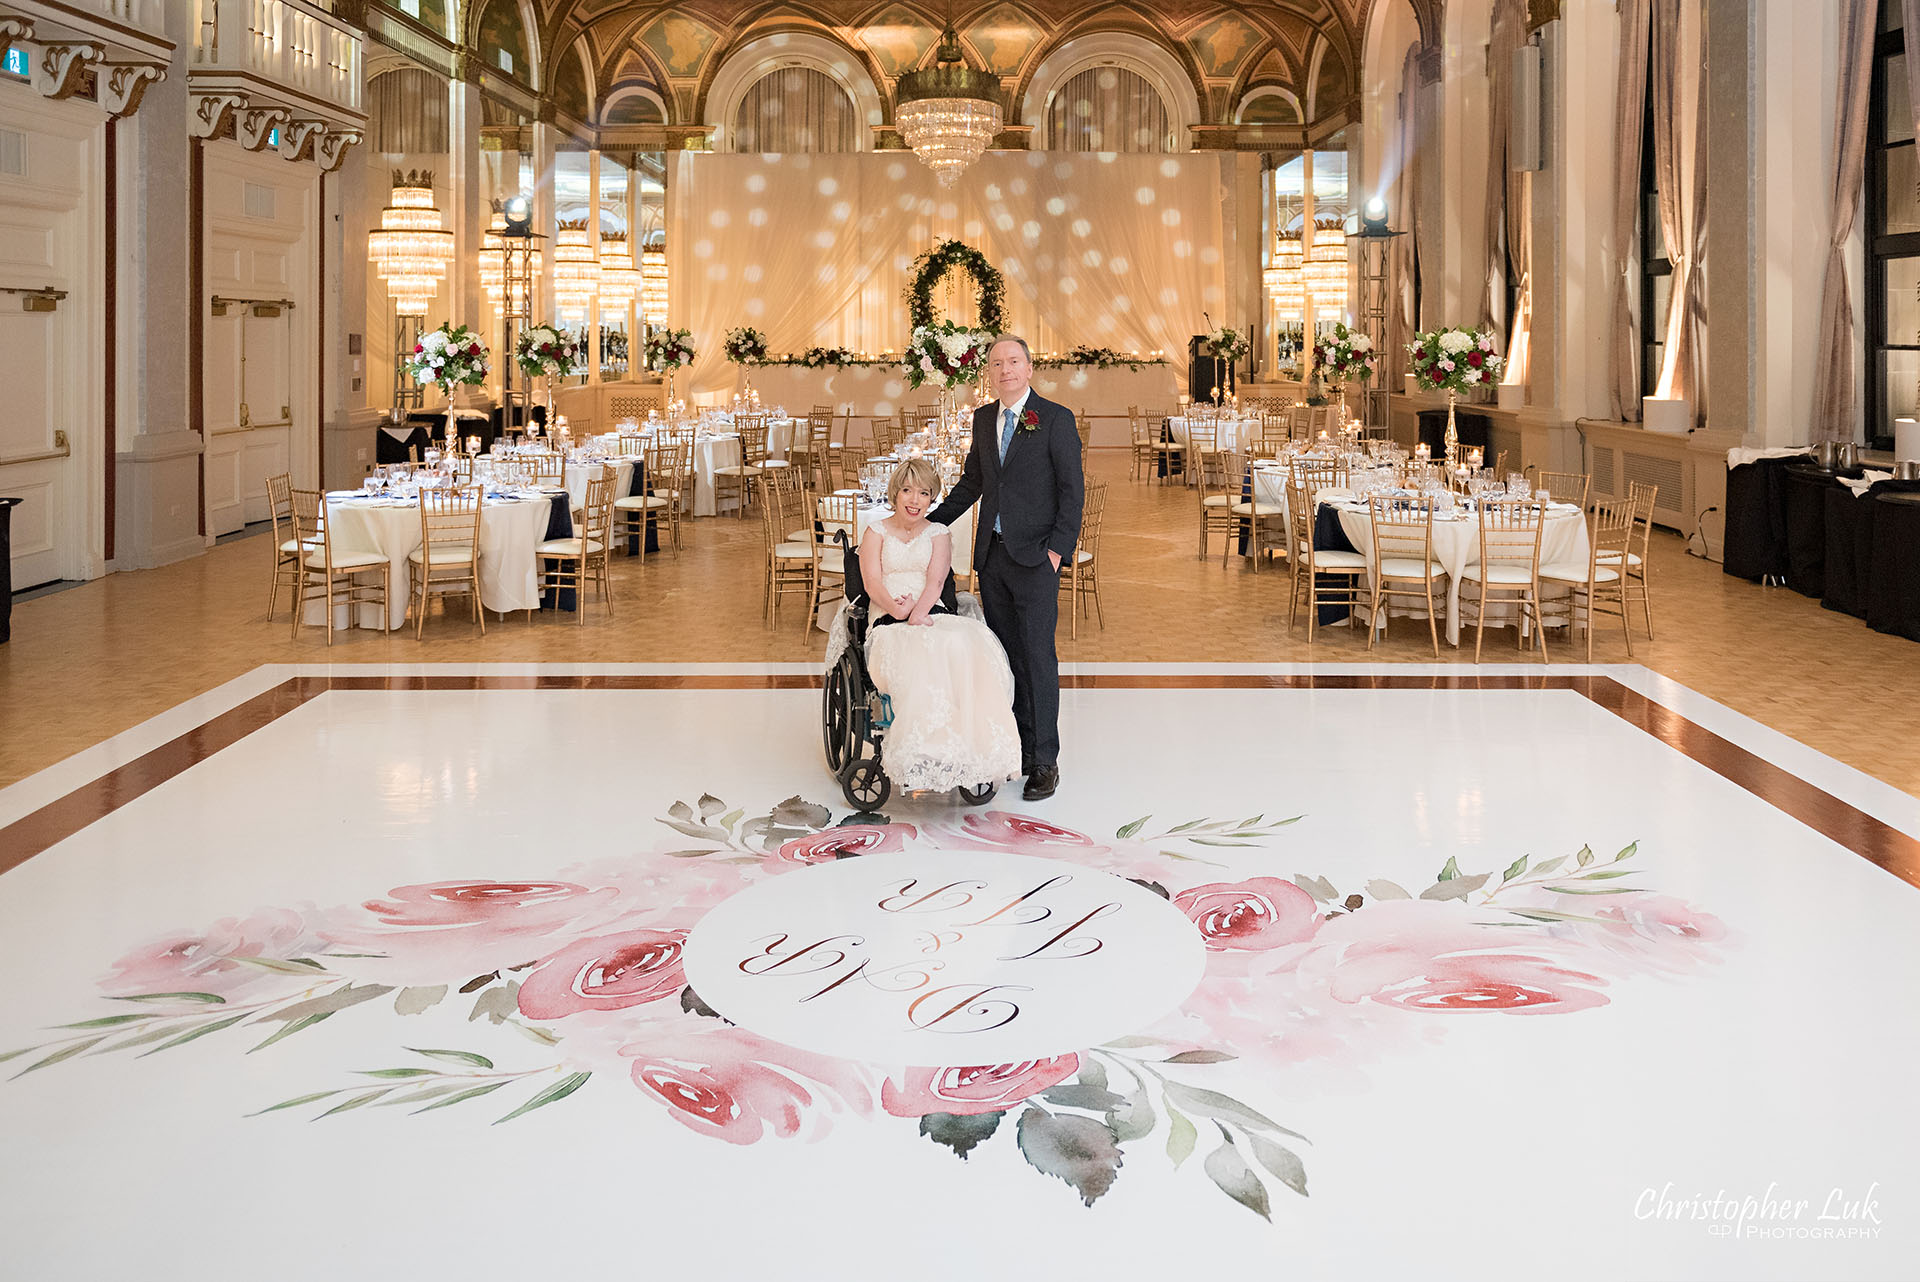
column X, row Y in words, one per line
column 1878, row 842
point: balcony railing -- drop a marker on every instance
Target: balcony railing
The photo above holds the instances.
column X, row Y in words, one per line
column 287, row 43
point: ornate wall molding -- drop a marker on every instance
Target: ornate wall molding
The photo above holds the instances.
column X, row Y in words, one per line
column 125, row 83
column 210, row 112
column 296, row 134
column 330, row 148
column 14, row 29
column 58, row 69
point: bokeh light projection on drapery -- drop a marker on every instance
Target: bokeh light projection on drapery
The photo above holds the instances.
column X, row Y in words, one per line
column 409, row 249
column 576, row 269
column 948, row 113
column 1120, row 251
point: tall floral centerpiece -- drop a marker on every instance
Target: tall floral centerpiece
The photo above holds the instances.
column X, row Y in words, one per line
column 1225, row 345
column 547, row 351
column 449, row 357
column 1458, row 360
column 746, row 346
column 949, row 356
column 1343, row 357
column 667, row 350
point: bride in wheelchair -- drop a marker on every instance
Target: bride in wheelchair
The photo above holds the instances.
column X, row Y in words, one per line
column 943, row 675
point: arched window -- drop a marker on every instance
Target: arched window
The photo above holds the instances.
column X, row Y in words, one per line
column 795, row 109
column 503, row 41
column 1107, row 109
column 407, row 112
column 1268, row 107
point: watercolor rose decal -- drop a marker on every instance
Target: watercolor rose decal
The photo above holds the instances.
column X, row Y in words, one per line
column 1302, row 979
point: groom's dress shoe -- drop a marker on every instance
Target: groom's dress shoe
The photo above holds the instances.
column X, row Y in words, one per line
column 1041, row 783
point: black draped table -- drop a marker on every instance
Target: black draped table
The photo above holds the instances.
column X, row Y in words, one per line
column 1756, row 539
column 1893, row 573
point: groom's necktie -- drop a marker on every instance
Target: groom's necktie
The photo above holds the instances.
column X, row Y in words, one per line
column 1006, row 440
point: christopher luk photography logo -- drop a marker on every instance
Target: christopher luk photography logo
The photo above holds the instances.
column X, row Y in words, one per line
column 1774, row 1215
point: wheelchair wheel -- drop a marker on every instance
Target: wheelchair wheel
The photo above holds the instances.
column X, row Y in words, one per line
column 836, row 717
column 978, row 796
column 864, row 784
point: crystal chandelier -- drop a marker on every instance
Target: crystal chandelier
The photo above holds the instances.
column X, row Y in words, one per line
column 1326, row 269
column 653, row 286
column 948, row 113
column 1286, row 283
column 576, row 269
column 409, row 249
column 619, row 278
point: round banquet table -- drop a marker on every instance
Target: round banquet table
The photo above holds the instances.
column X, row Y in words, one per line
column 578, row 474
column 510, row 530
column 716, row 450
column 1234, row 434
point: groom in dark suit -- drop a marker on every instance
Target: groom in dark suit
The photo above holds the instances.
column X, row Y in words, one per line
column 1024, row 469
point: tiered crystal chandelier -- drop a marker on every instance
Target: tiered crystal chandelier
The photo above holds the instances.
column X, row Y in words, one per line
column 948, row 113
column 409, row 249
column 653, row 286
column 1286, row 284
column 619, row 278
column 1326, row 269
column 576, row 269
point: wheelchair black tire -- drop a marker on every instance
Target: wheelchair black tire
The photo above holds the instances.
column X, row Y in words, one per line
column 836, row 717
column 978, row 796
column 864, row 784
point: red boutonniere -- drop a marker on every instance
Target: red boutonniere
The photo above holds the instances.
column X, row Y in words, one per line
column 1030, row 421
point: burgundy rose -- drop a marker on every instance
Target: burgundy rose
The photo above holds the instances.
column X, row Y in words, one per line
column 983, row 1088
column 1252, row 915
column 1474, row 359
column 609, row 973
column 851, row 839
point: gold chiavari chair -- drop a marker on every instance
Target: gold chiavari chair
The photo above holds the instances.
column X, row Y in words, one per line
column 331, row 575
column 1300, row 422
column 811, row 454
column 583, row 559
column 1599, row 586
column 1641, row 496
column 832, row 513
column 678, row 486
column 447, row 562
column 1500, row 467
column 738, row 480
column 1273, row 435
column 1203, row 437
column 1565, row 487
column 1402, row 529
column 1508, row 562
column 287, row 550
column 1170, row 453
column 652, row 497
column 1330, row 576
column 1263, row 521
column 789, row 561
column 1142, row 443
column 1320, row 474
column 1083, row 424
column 1218, row 484
column 1080, row 579
column 462, row 468
column 632, row 446
column 796, row 436
column 547, row 470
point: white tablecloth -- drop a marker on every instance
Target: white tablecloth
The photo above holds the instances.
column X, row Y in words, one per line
column 510, row 530
column 578, row 474
column 1231, row 434
column 721, row 449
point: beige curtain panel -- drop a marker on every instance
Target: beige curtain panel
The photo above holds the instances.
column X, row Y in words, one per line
column 1508, row 34
column 1629, row 105
column 1681, row 179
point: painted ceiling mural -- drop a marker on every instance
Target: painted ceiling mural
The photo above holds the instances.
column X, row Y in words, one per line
column 675, row 48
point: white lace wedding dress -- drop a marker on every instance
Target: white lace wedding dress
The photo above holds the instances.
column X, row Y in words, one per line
column 949, row 683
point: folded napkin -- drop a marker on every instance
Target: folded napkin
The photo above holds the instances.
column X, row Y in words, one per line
column 1865, row 483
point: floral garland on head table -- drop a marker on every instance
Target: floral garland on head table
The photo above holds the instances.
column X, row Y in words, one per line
column 746, row 346
column 935, row 263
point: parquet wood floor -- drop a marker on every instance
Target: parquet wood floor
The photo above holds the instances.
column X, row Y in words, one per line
column 88, row 663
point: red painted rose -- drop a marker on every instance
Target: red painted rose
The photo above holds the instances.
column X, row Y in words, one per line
column 1019, row 832
column 859, row 839
column 732, row 1085
column 1493, row 981
column 609, row 973
column 983, row 1088
column 1252, row 915
column 458, row 903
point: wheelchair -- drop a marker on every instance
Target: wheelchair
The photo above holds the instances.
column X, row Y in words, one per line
column 855, row 716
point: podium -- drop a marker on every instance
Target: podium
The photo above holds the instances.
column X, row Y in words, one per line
column 1206, row 374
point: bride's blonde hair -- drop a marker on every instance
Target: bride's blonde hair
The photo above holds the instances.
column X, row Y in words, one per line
column 916, row 471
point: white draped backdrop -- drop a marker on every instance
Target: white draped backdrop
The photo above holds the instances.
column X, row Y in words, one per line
column 1120, row 251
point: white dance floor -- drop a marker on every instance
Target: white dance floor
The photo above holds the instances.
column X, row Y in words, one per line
column 507, row 972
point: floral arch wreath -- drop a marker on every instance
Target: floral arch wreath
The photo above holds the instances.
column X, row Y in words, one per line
column 935, row 263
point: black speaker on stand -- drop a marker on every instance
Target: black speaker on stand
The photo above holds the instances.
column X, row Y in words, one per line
column 1207, row 373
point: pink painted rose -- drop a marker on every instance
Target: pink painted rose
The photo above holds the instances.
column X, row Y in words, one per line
column 1020, row 833
column 201, row 961
column 855, row 839
column 451, row 931
column 508, row 905
column 739, row 1087
column 1474, row 981
column 1255, row 915
column 611, row 972
column 1662, row 932
column 982, row 1088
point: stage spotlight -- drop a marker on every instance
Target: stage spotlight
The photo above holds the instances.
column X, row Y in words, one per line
column 518, row 212
column 1373, row 218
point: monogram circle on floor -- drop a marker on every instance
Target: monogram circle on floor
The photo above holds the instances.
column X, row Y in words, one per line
column 931, row 957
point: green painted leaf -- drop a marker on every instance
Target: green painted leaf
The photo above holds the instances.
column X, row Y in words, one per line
column 680, row 810
column 1181, row 1137
column 1593, row 890
column 1231, row 1174
column 1131, row 1119
column 398, row 1072
column 1189, row 824
column 1281, row 1162
column 24, row 1050
column 1192, row 859
column 1223, row 841
column 731, row 818
column 1199, row 1057
column 1130, row 829
column 1133, row 1042
column 291, row 1027
column 194, row 1033
column 327, row 1003
column 497, row 1004
column 149, row 1034
column 467, row 1058
column 961, row 1132
column 1078, row 1150
column 1585, row 856
column 1094, row 1099
column 1319, row 887
column 65, row 1052
column 710, row 806
column 205, row 999
column 1215, row 1105
column 558, row 1091
column 356, row 1102
column 1605, row 874
column 1514, row 869
column 1455, row 887
column 1451, row 871
column 1627, row 851
column 417, row 1094
column 1551, row 864
column 1380, row 889
column 278, row 966
column 109, row 1021
column 1092, row 1073
column 415, row 1001
column 472, row 1093
column 295, row 1102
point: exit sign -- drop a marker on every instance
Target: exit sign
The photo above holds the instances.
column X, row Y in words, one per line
column 16, row 64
